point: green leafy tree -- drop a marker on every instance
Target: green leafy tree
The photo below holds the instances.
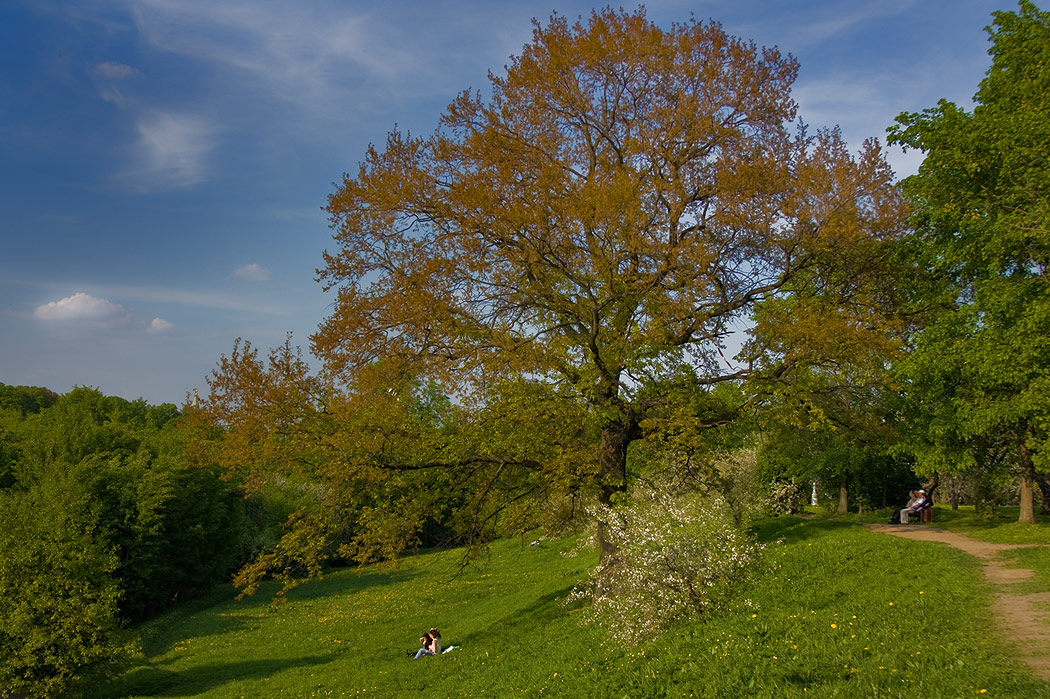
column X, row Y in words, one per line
column 26, row 399
column 174, row 530
column 9, row 452
column 841, row 428
column 597, row 227
column 982, row 366
column 59, row 600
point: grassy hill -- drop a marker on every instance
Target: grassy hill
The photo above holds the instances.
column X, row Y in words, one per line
column 846, row 613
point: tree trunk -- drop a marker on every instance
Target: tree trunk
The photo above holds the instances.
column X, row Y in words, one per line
column 1044, row 489
column 977, row 490
column 612, row 463
column 843, row 496
column 1027, row 515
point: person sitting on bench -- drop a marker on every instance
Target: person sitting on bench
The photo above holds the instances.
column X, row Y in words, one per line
column 915, row 506
column 913, row 499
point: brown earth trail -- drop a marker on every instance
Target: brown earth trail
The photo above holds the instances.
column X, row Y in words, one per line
column 1025, row 617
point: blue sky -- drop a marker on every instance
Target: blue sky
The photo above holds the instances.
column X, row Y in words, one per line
column 163, row 163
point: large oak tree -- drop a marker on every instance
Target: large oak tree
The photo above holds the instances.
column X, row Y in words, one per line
column 601, row 221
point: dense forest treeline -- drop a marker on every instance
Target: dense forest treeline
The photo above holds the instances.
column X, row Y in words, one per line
column 103, row 525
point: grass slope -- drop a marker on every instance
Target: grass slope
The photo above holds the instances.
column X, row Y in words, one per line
column 846, row 613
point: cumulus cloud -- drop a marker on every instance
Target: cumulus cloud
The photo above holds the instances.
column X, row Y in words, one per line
column 253, row 272
column 158, row 326
column 80, row 306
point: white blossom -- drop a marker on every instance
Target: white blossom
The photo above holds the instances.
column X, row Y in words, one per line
column 676, row 559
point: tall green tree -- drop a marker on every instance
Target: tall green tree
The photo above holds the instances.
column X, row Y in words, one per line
column 175, row 530
column 625, row 197
column 982, row 196
column 59, row 602
column 839, row 426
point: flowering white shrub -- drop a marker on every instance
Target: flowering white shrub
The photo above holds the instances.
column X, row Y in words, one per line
column 677, row 559
column 785, row 498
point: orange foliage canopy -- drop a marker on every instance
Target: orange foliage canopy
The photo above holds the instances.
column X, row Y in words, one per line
column 624, row 196
column 576, row 246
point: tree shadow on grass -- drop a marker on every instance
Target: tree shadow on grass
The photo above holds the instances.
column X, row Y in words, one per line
column 153, row 681
column 233, row 616
column 519, row 622
column 347, row 581
column 793, row 529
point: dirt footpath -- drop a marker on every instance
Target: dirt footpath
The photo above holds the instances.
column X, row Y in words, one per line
column 1025, row 617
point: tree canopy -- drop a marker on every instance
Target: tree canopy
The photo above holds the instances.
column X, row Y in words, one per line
column 980, row 369
column 598, row 225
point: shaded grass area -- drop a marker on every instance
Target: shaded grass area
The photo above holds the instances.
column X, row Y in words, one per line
column 845, row 613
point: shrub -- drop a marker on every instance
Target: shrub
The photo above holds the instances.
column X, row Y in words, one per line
column 785, row 498
column 676, row 559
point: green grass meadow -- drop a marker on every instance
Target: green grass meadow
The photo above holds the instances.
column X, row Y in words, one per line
column 845, row 612
column 1000, row 527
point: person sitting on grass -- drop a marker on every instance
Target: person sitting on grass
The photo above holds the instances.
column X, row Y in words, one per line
column 426, row 643
column 430, row 644
column 435, row 641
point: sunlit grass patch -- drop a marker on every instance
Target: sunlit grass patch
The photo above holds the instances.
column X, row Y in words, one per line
column 846, row 612
column 1000, row 527
column 852, row 613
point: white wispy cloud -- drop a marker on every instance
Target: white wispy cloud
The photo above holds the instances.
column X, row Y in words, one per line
column 838, row 18
column 291, row 50
column 191, row 297
column 171, row 152
column 169, row 147
column 113, row 70
column 159, row 326
column 253, row 272
column 110, row 78
column 81, row 306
